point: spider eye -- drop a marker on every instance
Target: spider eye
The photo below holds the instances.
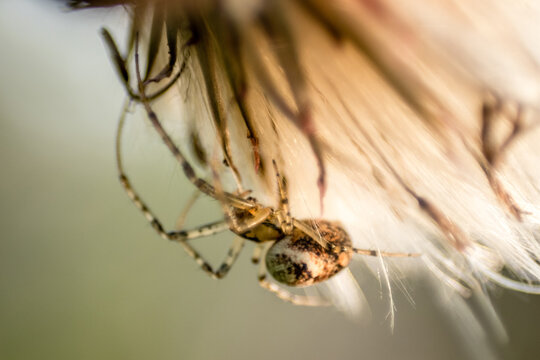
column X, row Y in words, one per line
column 298, row 260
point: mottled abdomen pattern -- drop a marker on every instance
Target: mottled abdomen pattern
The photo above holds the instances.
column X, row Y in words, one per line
column 298, row 260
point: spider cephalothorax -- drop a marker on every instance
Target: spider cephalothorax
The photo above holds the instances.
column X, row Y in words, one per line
column 268, row 230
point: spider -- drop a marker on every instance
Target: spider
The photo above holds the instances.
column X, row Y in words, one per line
column 296, row 252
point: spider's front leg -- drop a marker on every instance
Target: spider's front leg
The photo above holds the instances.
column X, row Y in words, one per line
column 226, row 264
column 283, row 213
column 121, row 69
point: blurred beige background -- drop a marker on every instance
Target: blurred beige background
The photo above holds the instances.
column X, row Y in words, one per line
column 83, row 276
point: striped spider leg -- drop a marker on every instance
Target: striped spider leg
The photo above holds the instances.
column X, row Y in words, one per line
column 121, row 69
column 179, row 236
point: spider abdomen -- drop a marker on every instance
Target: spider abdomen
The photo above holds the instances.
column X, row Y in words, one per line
column 298, row 260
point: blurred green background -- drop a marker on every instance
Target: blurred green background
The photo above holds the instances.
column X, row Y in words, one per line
column 82, row 274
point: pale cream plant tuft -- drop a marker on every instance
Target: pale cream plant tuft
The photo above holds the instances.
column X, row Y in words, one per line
column 413, row 123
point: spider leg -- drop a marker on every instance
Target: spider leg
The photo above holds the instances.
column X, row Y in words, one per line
column 229, row 35
column 227, row 263
column 260, row 216
column 280, row 292
column 237, row 226
column 122, row 71
column 257, row 253
column 383, row 253
column 198, row 232
column 182, row 217
column 231, row 257
column 286, row 221
column 284, row 213
column 178, row 236
column 210, row 65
